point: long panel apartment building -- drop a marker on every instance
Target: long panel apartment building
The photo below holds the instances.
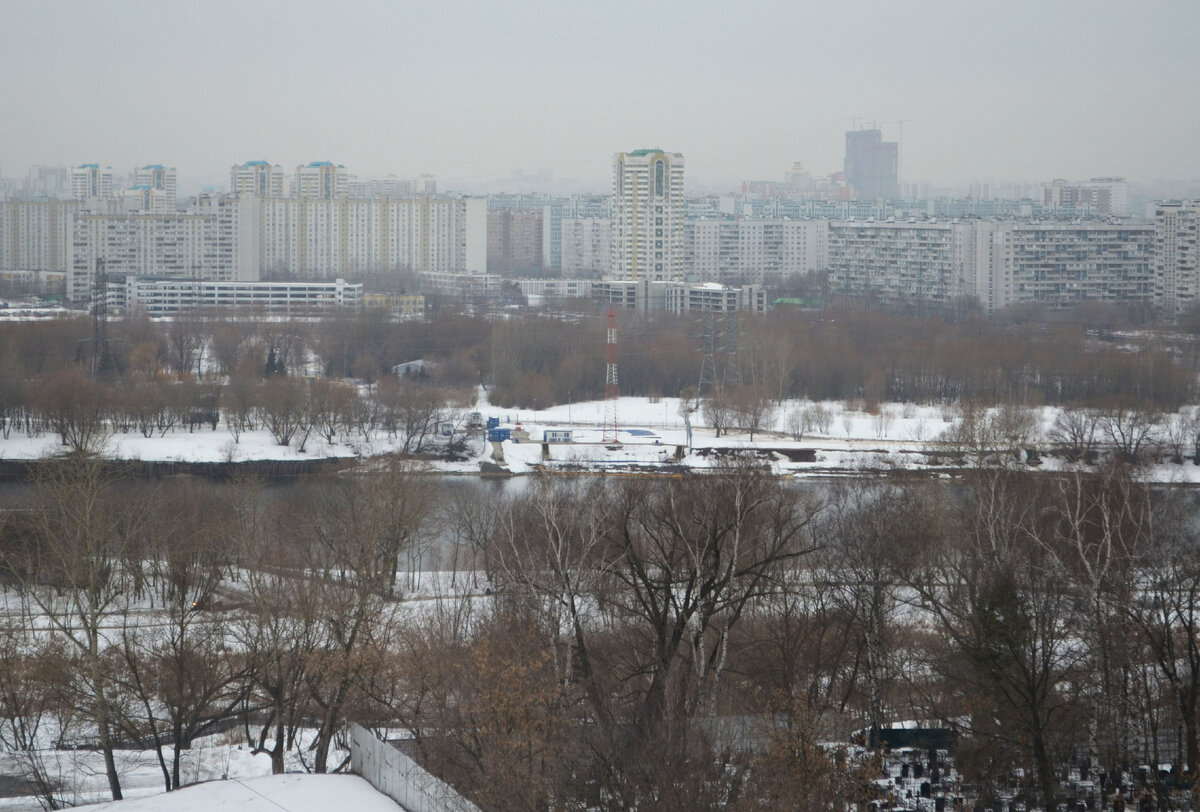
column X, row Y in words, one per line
column 212, row 242
column 900, row 262
column 752, row 250
column 224, row 238
column 999, row 263
column 1060, row 264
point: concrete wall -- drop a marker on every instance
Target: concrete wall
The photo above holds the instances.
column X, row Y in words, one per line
column 400, row 778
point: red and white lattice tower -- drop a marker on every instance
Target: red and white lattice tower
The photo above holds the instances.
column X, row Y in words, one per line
column 610, row 381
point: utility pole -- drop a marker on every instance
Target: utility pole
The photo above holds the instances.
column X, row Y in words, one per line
column 732, row 378
column 708, row 364
column 610, row 381
column 99, row 318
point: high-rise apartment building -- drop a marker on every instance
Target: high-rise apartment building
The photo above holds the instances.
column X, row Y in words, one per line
column 900, row 262
column 514, row 240
column 257, row 178
column 43, row 181
column 35, row 235
column 325, row 239
column 391, row 186
column 994, row 262
column 204, row 244
column 91, row 181
column 1059, row 264
column 1103, row 196
column 586, row 246
column 578, row 207
column 872, row 165
column 158, row 178
column 647, row 216
column 752, row 250
column 1177, row 256
column 320, row 179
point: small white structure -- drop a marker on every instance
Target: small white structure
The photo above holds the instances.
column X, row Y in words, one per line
column 557, row 436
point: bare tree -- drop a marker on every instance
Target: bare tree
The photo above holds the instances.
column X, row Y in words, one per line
column 72, row 405
column 753, row 408
column 31, row 682
column 1075, row 429
column 283, row 406
column 329, row 403
column 1006, row 612
column 76, row 574
column 187, row 339
column 1133, row 431
column 718, row 409
column 871, row 529
column 1167, row 611
column 179, row 669
column 359, row 529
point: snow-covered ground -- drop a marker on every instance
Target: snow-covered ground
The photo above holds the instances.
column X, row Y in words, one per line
column 652, row 431
column 293, row 792
column 80, row 777
column 898, row 437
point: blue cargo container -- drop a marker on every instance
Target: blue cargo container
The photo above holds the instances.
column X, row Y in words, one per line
column 493, row 422
column 499, row 435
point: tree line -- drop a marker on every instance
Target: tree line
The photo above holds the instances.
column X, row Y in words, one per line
column 528, row 359
column 614, row 643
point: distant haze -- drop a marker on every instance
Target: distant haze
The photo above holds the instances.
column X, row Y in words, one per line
column 1014, row 90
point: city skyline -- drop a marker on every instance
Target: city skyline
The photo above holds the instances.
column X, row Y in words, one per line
column 1037, row 91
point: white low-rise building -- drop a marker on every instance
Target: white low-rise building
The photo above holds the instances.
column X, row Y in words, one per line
column 163, row 297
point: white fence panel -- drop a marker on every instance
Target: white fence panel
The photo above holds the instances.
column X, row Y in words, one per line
column 400, row 778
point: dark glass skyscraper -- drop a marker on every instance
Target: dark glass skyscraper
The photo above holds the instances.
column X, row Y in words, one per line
column 872, row 165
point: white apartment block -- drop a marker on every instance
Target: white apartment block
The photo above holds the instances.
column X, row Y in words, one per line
column 594, row 207
column 713, row 297
column 197, row 246
column 159, row 178
column 37, row 235
column 141, row 198
column 91, row 181
column 391, row 186
column 321, row 179
column 899, row 262
column 1177, row 256
column 756, row 251
column 647, row 216
column 162, row 297
column 1095, row 196
column 1060, row 264
column 473, row 286
column 998, row 263
column 257, row 178
column 680, row 297
column 323, row 239
column 586, row 249
column 554, row 288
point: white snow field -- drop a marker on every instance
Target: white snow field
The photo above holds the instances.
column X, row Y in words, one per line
column 895, row 437
column 294, row 792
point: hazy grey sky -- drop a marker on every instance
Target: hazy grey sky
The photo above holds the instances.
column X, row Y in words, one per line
column 1020, row 90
